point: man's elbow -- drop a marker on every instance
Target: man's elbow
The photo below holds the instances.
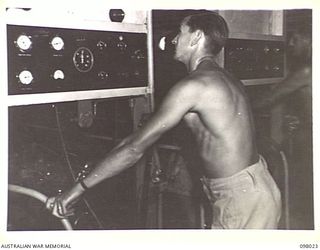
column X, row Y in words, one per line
column 135, row 151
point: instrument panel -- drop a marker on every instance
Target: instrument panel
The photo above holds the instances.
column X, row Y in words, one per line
column 254, row 59
column 46, row 59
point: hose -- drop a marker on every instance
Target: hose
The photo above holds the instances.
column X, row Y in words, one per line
column 39, row 196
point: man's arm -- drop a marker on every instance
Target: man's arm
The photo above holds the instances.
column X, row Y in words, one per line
column 177, row 103
column 292, row 83
column 180, row 99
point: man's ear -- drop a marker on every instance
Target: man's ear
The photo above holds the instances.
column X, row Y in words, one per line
column 196, row 36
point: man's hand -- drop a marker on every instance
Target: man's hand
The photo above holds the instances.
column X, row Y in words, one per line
column 61, row 206
column 58, row 208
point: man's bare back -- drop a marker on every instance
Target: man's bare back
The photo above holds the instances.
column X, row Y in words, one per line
column 221, row 122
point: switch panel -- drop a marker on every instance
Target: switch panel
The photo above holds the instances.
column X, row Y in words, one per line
column 254, row 59
column 45, row 59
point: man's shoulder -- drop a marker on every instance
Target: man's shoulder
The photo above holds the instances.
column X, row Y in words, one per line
column 191, row 85
column 201, row 78
column 190, row 81
column 216, row 79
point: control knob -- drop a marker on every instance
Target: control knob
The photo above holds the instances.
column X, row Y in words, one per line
column 276, row 68
column 276, row 50
column 266, row 49
column 102, row 45
column 121, row 44
column 138, row 55
column 103, row 75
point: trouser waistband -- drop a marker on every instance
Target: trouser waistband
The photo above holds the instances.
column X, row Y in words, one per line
column 231, row 181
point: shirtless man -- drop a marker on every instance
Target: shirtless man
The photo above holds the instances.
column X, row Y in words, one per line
column 294, row 96
column 215, row 108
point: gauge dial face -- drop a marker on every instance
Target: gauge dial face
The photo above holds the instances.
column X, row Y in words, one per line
column 24, row 42
column 58, row 74
column 25, row 77
column 83, row 59
column 57, row 43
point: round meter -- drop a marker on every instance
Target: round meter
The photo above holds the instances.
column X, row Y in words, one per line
column 57, row 43
column 83, row 59
column 24, row 42
column 25, row 77
column 58, row 74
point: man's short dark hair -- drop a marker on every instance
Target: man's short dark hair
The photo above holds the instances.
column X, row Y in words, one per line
column 213, row 26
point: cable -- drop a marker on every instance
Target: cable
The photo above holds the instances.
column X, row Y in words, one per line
column 39, row 196
column 64, row 147
column 69, row 164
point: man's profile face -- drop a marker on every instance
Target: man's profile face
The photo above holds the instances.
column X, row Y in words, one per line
column 182, row 42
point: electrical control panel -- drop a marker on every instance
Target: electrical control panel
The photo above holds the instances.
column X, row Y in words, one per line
column 46, row 59
column 254, row 59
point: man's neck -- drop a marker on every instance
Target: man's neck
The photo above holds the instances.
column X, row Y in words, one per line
column 197, row 60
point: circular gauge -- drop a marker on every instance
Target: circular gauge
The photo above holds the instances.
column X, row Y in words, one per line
column 57, row 43
column 24, row 42
column 83, row 59
column 58, row 74
column 25, row 77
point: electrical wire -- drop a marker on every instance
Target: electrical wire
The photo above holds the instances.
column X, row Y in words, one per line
column 64, row 147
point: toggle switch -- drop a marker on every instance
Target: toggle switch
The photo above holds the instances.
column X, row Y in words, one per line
column 276, row 68
column 138, row 55
column 276, row 50
column 121, row 44
column 103, row 75
column 266, row 49
column 102, row 45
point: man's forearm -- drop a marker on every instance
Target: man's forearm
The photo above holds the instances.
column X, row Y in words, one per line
column 125, row 155
column 115, row 162
column 281, row 90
